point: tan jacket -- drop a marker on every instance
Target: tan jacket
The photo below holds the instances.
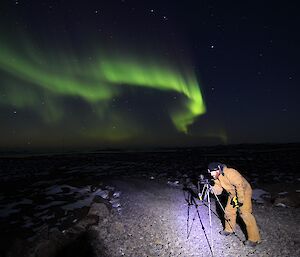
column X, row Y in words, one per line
column 233, row 182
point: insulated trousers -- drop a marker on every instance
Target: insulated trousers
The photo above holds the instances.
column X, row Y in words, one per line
column 245, row 212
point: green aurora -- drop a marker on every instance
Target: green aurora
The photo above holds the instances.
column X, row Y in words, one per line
column 32, row 74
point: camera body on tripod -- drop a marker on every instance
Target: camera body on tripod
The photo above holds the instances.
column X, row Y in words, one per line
column 205, row 181
column 204, row 185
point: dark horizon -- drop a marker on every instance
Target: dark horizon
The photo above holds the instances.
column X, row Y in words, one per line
column 11, row 152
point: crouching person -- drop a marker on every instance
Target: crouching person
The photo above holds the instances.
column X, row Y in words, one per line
column 239, row 199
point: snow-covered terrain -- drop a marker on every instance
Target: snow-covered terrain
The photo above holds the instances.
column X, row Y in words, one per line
column 144, row 196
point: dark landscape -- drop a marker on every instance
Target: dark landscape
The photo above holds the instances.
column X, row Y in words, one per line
column 114, row 115
column 45, row 195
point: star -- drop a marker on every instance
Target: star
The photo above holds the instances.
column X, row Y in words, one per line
column 212, row 46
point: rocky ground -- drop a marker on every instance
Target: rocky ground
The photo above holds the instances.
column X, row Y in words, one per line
column 154, row 218
column 154, row 221
column 145, row 212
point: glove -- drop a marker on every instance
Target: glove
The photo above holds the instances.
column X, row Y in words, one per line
column 235, row 203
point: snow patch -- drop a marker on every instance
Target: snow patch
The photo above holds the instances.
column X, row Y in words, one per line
column 258, row 195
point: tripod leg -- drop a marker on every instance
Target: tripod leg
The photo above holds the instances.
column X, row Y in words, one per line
column 187, row 221
column 189, row 201
column 203, row 228
column 210, row 223
column 189, row 232
column 217, row 198
column 228, row 221
column 201, row 197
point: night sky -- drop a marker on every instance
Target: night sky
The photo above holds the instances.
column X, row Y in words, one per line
column 132, row 73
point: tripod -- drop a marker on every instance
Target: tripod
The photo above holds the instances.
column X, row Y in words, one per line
column 204, row 196
column 207, row 188
column 191, row 201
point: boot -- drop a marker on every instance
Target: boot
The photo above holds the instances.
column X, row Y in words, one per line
column 225, row 233
column 251, row 243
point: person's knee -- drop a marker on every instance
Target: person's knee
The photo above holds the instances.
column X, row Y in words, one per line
column 229, row 214
column 245, row 215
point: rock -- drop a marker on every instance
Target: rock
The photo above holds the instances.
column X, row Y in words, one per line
column 46, row 248
column 55, row 234
column 283, row 193
column 117, row 228
column 88, row 221
column 99, row 209
column 287, row 200
column 174, row 183
column 43, row 232
column 117, row 194
column 104, row 194
column 115, row 203
column 280, row 205
column 102, row 232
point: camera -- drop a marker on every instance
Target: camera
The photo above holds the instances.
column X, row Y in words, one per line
column 204, row 181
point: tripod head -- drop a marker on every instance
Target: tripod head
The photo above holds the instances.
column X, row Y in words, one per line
column 204, row 187
column 204, row 180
